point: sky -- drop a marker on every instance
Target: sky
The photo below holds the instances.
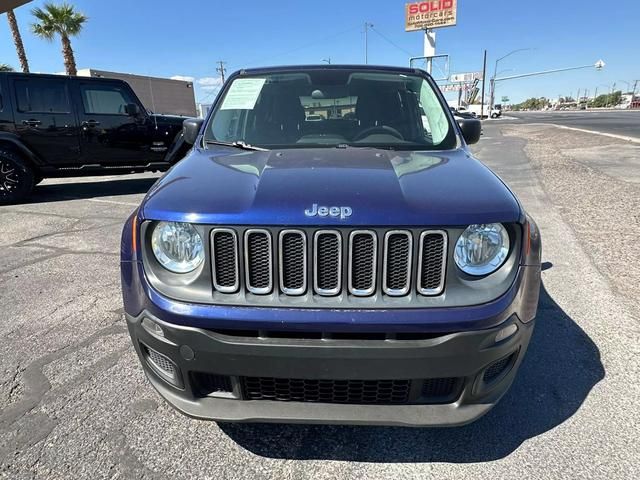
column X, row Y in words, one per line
column 185, row 39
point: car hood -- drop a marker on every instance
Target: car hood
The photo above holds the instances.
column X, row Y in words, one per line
column 381, row 187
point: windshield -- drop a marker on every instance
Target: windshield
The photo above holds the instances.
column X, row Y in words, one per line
column 329, row 108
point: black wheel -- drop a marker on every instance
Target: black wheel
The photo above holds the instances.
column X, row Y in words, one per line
column 16, row 178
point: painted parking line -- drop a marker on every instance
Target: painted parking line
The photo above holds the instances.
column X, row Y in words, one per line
column 595, row 132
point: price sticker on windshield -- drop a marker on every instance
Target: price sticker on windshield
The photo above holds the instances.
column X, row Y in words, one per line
column 243, row 94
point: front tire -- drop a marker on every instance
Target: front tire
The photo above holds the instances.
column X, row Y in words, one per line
column 16, row 178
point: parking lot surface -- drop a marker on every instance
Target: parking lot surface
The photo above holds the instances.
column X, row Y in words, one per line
column 75, row 404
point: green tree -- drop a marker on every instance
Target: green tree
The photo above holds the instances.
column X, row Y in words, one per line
column 532, row 104
column 17, row 40
column 607, row 100
column 63, row 20
column 4, row 67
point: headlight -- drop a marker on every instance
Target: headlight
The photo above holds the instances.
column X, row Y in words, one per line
column 177, row 246
column 482, row 249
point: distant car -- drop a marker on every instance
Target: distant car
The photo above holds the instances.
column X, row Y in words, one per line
column 314, row 118
column 366, row 272
column 55, row 126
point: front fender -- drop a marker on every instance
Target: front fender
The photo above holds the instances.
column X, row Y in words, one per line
column 16, row 143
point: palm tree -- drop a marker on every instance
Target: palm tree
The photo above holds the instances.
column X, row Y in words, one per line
column 65, row 21
column 4, row 67
column 17, row 40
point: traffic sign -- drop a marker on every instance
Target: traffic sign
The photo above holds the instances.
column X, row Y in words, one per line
column 465, row 77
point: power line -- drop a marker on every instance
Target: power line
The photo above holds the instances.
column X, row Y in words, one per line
column 288, row 52
column 384, row 37
column 294, row 50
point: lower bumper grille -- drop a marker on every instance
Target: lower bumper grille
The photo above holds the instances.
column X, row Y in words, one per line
column 375, row 392
column 326, row 391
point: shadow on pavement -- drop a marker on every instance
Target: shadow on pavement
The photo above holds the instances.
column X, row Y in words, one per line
column 560, row 368
column 64, row 191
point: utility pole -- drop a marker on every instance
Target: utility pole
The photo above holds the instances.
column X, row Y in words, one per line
column 484, row 73
column 366, row 41
column 633, row 93
column 221, row 69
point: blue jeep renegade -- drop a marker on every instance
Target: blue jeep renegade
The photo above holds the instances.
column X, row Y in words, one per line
column 330, row 251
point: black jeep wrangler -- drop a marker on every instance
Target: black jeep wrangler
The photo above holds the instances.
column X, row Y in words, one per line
column 54, row 126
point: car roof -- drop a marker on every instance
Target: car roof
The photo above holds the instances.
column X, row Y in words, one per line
column 297, row 68
column 58, row 77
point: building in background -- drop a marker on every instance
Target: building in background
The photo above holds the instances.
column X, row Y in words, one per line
column 161, row 95
column 203, row 109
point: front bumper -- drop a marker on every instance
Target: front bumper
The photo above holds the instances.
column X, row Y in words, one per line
column 464, row 357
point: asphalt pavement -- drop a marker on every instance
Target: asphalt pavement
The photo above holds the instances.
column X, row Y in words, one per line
column 617, row 122
column 75, row 404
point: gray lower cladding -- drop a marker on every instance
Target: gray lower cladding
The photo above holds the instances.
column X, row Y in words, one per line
column 476, row 370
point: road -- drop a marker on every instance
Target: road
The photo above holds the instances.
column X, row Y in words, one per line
column 621, row 122
column 75, row 404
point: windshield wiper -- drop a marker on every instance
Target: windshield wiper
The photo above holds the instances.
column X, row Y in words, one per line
column 241, row 144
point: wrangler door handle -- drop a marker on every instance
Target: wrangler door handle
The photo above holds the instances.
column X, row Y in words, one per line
column 31, row 122
column 90, row 123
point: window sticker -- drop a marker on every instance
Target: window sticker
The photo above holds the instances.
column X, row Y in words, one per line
column 243, row 94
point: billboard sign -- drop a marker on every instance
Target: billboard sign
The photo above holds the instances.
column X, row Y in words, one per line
column 430, row 14
column 465, row 77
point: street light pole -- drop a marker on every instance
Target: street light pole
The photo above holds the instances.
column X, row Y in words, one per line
column 599, row 64
column 492, row 81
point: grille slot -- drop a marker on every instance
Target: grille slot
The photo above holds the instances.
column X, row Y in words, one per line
column 363, row 252
column 258, row 261
column 397, row 263
column 326, row 391
column 328, row 262
column 293, row 262
column 496, row 369
column 224, row 252
column 432, row 262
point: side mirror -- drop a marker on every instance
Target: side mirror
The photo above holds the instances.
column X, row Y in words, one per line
column 471, row 129
column 190, row 129
column 132, row 109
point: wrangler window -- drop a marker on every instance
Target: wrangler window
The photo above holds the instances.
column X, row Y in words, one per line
column 42, row 96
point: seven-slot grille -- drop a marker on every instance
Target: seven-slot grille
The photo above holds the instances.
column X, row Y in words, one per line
column 328, row 262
